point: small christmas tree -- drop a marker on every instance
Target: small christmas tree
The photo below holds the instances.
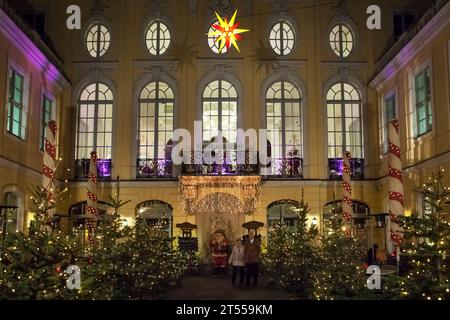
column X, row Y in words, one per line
column 341, row 275
column 426, row 244
column 291, row 258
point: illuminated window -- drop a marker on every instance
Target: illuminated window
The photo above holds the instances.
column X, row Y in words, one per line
column 98, row 40
column 95, row 116
column 345, row 133
column 156, row 117
column 47, row 115
column 389, row 114
column 157, row 38
column 284, row 128
column 342, row 40
column 220, row 110
column 424, row 116
column 212, row 40
column 282, row 38
column 17, row 123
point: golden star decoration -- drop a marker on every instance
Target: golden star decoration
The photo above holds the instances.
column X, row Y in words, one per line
column 227, row 33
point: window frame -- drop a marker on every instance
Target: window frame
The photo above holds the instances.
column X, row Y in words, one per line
column 43, row 126
column 212, row 38
column 15, row 68
column 95, row 131
column 283, row 101
column 220, row 100
column 342, row 103
column 97, row 50
column 392, row 95
column 158, row 52
column 341, row 50
column 281, row 40
column 428, row 101
column 157, row 101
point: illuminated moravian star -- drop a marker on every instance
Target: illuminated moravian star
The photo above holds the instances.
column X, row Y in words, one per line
column 227, row 33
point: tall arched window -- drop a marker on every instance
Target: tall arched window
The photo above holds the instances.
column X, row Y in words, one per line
column 220, row 110
column 284, row 129
column 94, row 129
column 345, row 131
column 156, row 115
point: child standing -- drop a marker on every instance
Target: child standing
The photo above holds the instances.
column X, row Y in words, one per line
column 238, row 263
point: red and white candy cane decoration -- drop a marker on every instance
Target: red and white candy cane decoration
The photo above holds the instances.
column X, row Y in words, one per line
column 49, row 163
column 347, row 210
column 91, row 207
column 92, row 185
column 395, row 179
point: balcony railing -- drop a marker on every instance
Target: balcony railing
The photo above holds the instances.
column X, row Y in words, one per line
column 103, row 169
column 291, row 168
column 335, row 167
column 154, row 168
column 228, row 166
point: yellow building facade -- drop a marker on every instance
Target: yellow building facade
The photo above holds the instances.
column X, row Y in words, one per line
column 128, row 50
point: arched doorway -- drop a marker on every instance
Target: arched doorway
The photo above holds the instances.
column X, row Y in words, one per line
column 363, row 224
column 282, row 211
column 218, row 212
column 155, row 212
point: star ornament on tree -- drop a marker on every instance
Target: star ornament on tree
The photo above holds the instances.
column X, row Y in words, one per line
column 227, row 33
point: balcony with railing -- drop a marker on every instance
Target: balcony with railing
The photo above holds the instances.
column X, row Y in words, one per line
column 285, row 168
column 336, row 167
column 104, row 167
column 154, row 169
column 232, row 163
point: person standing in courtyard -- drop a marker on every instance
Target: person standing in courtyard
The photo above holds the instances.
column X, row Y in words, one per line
column 237, row 262
column 252, row 252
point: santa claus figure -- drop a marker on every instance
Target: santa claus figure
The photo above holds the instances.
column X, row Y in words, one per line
column 219, row 251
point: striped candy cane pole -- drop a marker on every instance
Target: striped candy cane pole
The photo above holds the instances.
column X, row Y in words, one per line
column 49, row 163
column 347, row 188
column 91, row 207
column 395, row 180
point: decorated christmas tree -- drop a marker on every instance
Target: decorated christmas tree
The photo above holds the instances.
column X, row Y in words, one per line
column 341, row 274
column 291, row 258
column 32, row 265
column 426, row 244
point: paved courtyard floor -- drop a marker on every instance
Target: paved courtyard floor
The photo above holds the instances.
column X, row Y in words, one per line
column 220, row 288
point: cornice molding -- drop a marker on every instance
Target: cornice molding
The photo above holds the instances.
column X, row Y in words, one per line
column 31, row 51
column 421, row 39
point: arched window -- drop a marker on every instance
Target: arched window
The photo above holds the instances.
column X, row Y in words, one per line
column 14, row 221
column 284, row 128
column 213, row 44
column 282, row 38
column 94, row 129
column 156, row 117
column 345, row 131
column 282, row 211
column 79, row 219
column 156, row 212
column 219, row 105
column 98, row 40
column 157, row 38
column 342, row 40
